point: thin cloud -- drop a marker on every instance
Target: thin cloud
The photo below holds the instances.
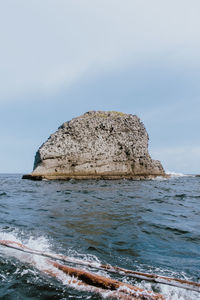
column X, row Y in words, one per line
column 46, row 45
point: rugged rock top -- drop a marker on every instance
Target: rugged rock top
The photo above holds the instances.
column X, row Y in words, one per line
column 98, row 144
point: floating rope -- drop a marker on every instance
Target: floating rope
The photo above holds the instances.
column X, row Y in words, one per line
column 107, row 283
column 95, row 283
column 181, row 283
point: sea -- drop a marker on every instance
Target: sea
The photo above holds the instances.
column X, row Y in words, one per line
column 150, row 226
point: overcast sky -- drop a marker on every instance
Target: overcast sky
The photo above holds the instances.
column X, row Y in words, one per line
column 61, row 58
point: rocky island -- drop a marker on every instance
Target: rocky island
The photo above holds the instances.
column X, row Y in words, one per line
column 97, row 145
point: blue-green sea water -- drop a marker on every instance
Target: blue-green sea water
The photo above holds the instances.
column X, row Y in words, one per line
column 149, row 226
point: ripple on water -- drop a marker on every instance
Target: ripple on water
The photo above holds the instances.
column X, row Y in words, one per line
column 3, row 194
column 181, row 196
column 138, row 225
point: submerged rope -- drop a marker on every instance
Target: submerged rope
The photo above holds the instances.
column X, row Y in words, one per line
column 180, row 283
column 94, row 282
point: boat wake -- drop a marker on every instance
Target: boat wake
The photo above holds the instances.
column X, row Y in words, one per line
column 36, row 252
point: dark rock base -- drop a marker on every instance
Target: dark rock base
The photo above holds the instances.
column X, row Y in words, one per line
column 67, row 177
column 31, row 177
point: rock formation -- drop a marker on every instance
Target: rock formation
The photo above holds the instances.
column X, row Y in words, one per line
column 97, row 145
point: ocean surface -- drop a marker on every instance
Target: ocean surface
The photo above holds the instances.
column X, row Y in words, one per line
column 148, row 226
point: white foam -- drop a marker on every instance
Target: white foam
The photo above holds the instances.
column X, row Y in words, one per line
column 41, row 264
column 170, row 292
column 175, row 174
column 175, row 293
column 160, row 178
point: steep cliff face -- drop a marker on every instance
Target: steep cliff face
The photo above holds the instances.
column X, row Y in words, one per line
column 97, row 144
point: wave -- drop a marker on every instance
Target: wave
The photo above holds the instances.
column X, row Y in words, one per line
column 175, row 174
column 172, row 175
column 41, row 263
column 36, row 261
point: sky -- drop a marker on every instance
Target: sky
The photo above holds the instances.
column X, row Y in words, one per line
column 61, row 58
